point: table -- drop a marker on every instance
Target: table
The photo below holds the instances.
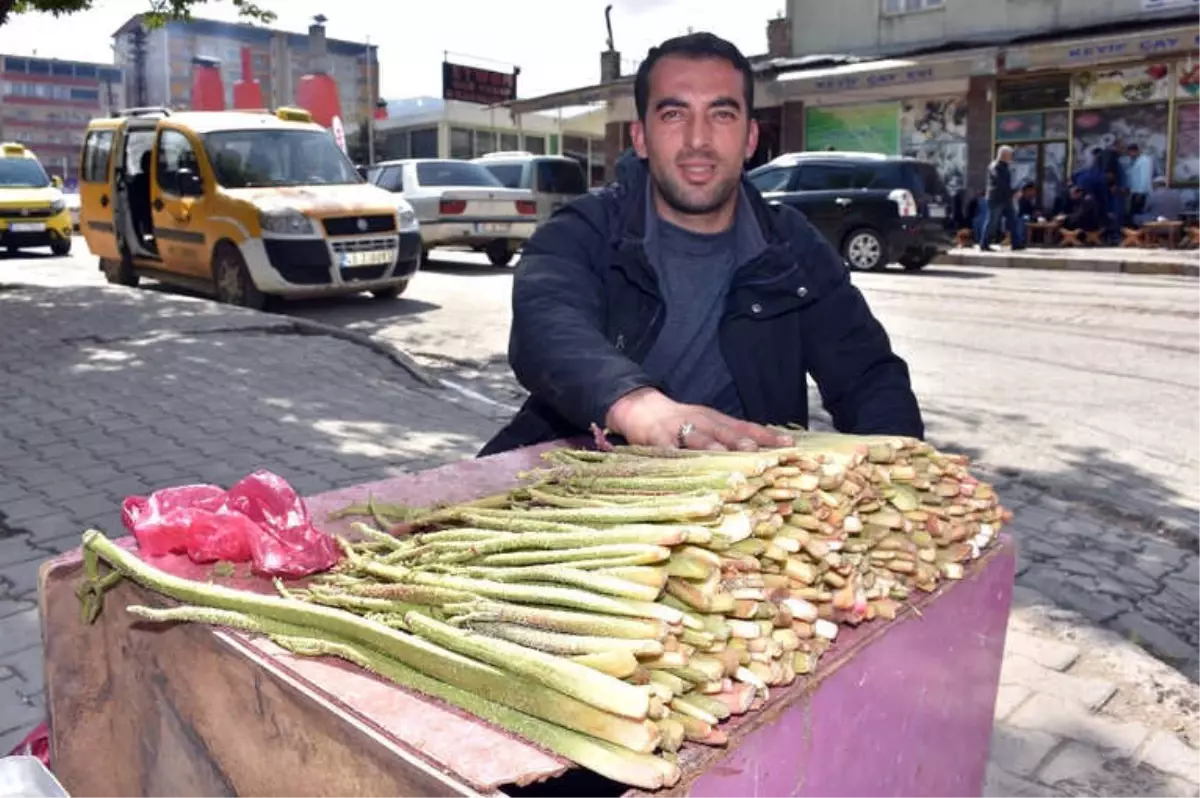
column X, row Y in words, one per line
column 900, row 708
column 1046, row 231
column 1166, row 233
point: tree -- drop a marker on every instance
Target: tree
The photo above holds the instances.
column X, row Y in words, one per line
column 160, row 11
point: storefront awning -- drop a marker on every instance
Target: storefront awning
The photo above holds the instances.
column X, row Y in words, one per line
column 1083, row 51
column 884, row 76
column 601, row 92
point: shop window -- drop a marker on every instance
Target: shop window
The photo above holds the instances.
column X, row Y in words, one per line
column 535, row 145
column 911, row 6
column 1185, row 162
column 1048, row 92
column 485, row 142
column 1145, row 124
column 423, row 143
column 461, row 145
column 509, row 142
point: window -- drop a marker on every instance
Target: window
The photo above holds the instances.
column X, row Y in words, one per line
column 509, row 142
column 265, row 157
column 175, row 152
column 535, row 144
column 460, row 143
column 454, row 173
column 82, row 71
column 507, row 173
column 485, row 142
column 423, row 143
column 909, row 6
column 391, row 178
column 14, row 64
column 772, row 178
column 560, row 177
column 824, row 177
column 62, row 70
column 38, row 67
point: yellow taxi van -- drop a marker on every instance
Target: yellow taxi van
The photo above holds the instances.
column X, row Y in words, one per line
column 33, row 212
column 242, row 206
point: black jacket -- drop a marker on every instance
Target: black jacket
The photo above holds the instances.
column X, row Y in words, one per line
column 999, row 182
column 586, row 310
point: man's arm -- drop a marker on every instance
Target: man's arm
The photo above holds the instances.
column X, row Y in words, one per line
column 557, row 347
column 864, row 385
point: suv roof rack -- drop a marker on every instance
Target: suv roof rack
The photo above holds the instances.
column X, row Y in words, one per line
column 148, row 110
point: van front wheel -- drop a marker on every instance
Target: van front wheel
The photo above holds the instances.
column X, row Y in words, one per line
column 232, row 282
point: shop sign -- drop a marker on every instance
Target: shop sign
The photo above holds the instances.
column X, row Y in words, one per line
column 875, row 80
column 1118, row 86
column 1132, row 47
column 1167, row 5
column 474, row 85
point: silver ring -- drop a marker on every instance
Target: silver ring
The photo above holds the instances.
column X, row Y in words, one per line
column 685, row 429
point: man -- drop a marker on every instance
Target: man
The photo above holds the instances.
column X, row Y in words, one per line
column 676, row 307
column 1087, row 215
column 1138, row 176
column 1027, row 211
column 1163, row 202
column 1000, row 198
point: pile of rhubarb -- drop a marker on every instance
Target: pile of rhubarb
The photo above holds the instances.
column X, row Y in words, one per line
column 621, row 604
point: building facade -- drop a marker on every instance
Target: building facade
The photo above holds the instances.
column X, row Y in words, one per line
column 158, row 63
column 46, row 105
column 429, row 127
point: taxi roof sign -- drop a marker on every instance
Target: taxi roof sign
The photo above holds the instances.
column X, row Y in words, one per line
column 14, row 150
column 292, row 114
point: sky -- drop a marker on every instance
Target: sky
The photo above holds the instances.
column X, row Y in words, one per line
column 557, row 43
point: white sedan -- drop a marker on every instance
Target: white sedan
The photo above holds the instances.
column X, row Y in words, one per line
column 460, row 203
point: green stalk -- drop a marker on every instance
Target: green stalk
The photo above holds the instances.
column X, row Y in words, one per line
column 652, row 577
column 617, row 664
column 460, row 535
column 588, row 558
column 360, row 604
column 534, row 594
column 557, row 620
column 712, row 706
column 703, row 507
column 595, row 581
column 411, row 594
column 685, row 705
column 566, row 645
column 570, row 678
column 486, row 681
column 664, row 485
column 672, row 682
column 609, row 760
column 646, row 535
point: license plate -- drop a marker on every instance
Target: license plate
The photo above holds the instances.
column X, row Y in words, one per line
column 937, row 212
column 27, row 227
column 491, row 228
column 374, row 257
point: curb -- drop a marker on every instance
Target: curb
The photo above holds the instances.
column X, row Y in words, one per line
column 1006, row 261
column 392, row 353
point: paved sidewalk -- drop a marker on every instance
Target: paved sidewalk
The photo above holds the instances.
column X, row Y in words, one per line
column 1182, row 262
column 106, row 392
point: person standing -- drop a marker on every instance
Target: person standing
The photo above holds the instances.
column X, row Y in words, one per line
column 1000, row 198
column 1139, row 177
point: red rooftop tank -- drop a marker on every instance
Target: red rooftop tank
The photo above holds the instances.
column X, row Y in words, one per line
column 208, row 91
column 317, row 92
column 381, row 110
column 247, row 92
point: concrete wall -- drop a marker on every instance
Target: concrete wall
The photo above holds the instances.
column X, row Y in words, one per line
column 861, row 27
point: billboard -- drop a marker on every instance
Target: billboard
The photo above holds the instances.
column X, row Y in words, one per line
column 474, row 85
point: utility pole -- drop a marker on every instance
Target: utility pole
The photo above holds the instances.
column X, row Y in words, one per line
column 373, row 89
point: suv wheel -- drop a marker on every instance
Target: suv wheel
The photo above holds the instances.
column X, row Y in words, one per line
column 232, row 282
column 863, row 250
column 498, row 252
column 120, row 272
column 914, row 263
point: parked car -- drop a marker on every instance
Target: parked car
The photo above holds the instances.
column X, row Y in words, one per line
column 72, row 202
column 459, row 203
column 554, row 180
column 874, row 209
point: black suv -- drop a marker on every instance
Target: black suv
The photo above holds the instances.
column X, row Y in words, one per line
column 875, row 209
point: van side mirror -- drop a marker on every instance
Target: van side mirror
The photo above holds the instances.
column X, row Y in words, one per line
column 189, row 183
column 56, row 181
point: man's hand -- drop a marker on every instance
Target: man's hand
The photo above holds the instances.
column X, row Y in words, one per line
column 647, row 417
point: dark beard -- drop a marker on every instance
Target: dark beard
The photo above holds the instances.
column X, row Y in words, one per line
column 678, row 203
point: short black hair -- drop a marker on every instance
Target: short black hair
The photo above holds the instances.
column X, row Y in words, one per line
column 693, row 45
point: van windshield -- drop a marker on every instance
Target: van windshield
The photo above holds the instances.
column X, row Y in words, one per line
column 263, row 158
column 22, row 173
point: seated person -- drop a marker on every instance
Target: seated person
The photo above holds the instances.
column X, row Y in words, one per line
column 1027, row 211
column 1064, row 203
column 1087, row 215
column 1163, row 202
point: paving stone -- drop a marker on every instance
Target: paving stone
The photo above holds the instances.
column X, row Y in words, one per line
column 1008, row 698
column 1021, row 751
column 27, row 509
column 1083, row 770
column 20, row 631
column 1170, row 754
column 11, row 739
column 20, row 579
column 1190, row 572
column 52, row 526
column 1077, row 567
column 1048, row 653
column 1157, row 560
column 18, row 548
column 1001, row 784
column 1087, row 692
column 23, row 708
column 1046, row 713
column 1154, row 636
column 1074, row 593
column 13, row 606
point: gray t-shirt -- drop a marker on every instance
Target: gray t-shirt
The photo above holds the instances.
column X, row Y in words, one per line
column 694, row 272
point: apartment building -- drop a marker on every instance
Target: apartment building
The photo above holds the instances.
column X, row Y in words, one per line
column 46, row 105
column 158, row 62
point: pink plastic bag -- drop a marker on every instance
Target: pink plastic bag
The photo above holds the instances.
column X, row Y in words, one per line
column 260, row 520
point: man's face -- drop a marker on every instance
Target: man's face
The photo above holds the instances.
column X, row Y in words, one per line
column 696, row 134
